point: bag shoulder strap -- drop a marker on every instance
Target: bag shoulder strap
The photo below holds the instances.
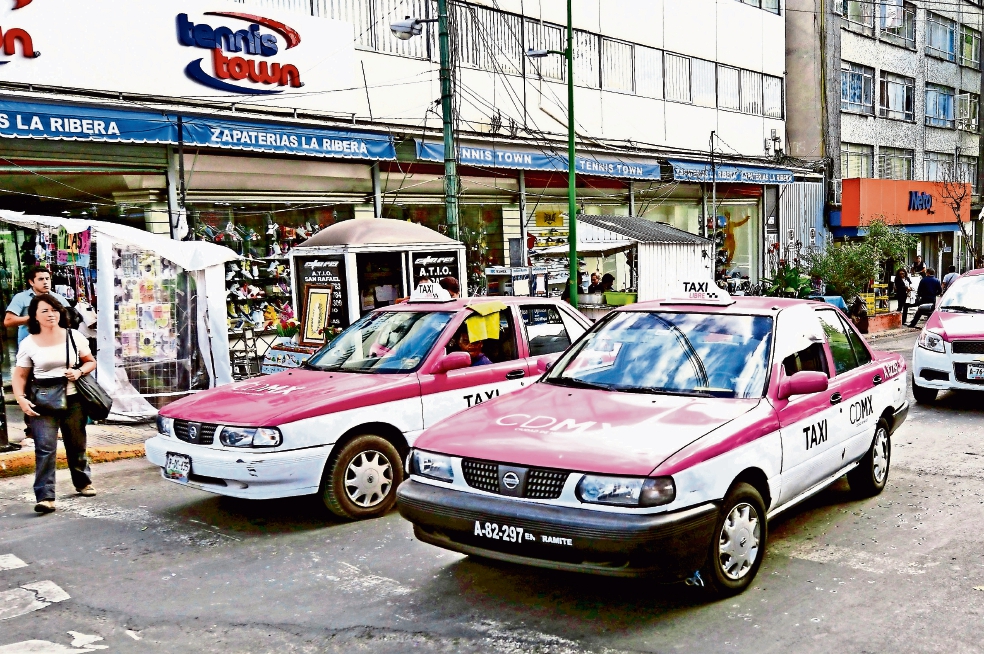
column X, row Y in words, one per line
column 71, row 337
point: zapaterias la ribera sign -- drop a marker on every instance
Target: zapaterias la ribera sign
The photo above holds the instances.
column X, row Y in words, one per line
column 208, row 50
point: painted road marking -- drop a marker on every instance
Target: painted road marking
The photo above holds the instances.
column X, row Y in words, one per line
column 28, row 598
column 10, row 562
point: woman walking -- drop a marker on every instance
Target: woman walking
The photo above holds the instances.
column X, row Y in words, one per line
column 902, row 288
column 51, row 352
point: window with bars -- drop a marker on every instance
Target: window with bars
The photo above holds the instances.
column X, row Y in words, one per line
column 617, row 70
column 729, row 88
column 704, row 83
column 941, row 37
column 895, row 163
column 677, row 74
column 857, row 89
column 649, row 72
column 544, row 36
column 772, row 97
column 968, row 111
column 937, row 166
column 967, row 171
column 856, row 160
column 897, row 96
column 859, row 16
column 970, row 47
column 939, row 106
column 903, row 34
column 751, row 92
column 587, row 59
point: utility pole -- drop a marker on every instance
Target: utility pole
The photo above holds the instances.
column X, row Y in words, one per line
column 714, row 187
column 571, row 163
column 447, row 112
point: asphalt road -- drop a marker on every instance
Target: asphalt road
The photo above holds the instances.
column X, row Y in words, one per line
column 151, row 566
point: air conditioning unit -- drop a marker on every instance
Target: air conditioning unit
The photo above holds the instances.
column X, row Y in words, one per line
column 835, row 191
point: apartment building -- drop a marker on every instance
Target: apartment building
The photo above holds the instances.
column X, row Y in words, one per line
column 889, row 93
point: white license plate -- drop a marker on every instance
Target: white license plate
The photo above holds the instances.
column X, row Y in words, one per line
column 975, row 372
column 504, row 533
column 177, row 467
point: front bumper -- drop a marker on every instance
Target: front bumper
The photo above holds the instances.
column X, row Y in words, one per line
column 250, row 473
column 670, row 545
column 926, row 363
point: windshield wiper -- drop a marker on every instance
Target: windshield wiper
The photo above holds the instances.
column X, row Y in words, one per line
column 659, row 390
column 961, row 309
column 576, row 383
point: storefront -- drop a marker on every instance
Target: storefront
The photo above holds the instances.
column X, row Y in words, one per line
column 925, row 209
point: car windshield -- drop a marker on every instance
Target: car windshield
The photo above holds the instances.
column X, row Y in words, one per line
column 676, row 353
column 966, row 294
column 383, row 342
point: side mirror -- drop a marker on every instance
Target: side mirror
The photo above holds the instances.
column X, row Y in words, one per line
column 544, row 365
column 453, row 361
column 804, row 382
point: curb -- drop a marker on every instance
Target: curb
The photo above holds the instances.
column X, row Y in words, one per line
column 890, row 333
column 22, row 463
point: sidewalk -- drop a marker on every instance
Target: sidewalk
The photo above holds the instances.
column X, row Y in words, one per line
column 104, row 443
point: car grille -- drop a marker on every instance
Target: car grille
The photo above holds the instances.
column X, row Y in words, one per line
column 968, row 347
column 541, row 483
column 960, row 372
column 206, row 435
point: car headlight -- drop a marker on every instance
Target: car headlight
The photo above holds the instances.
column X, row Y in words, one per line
column 432, row 466
column 250, row 437
column 932, row 341
column 165, row 426
column 626, row 491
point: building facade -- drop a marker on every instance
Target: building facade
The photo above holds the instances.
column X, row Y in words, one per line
column 891, row 91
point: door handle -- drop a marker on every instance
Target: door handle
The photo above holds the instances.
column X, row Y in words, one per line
column 835, row 398
column 877, row 379
column 516, row 374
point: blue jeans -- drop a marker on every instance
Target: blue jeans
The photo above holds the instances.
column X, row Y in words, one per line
column 45, row 431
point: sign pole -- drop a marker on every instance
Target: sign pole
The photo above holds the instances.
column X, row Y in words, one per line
column 571, row 164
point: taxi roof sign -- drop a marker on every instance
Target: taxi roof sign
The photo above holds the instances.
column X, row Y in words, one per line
column 430, row 292
column 699, row 292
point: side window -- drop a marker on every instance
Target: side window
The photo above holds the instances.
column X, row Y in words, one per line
column 840, row 343
column 811, row 359
column 489, row 350
column 574, row 328
column 860, row 349
column 545, row 330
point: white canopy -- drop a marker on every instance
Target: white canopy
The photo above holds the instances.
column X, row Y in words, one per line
column 589, row 248
column 203, row 261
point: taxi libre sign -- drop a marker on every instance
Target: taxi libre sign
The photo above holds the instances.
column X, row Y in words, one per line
column 205, row 49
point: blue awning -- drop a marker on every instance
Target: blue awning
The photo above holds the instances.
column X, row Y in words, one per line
column 63, row 122
column 287, row 139
column 932, row 228
column 110, row 125
column 498, row 156
column 701, row 171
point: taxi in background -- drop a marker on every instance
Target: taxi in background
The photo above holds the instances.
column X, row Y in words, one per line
column 342, row 425
column 949, row 353
column 663, row 441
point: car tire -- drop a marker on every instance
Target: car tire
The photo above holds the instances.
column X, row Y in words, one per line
column 923, row 395
column 871, row 474
column 360, row 479
column 738, row 543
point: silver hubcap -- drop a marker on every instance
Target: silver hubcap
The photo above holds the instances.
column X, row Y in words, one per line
column 879, row 457
column 368, row 479
column 738, row 546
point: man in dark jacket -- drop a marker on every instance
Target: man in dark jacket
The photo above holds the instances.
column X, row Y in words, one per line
column 929, row 289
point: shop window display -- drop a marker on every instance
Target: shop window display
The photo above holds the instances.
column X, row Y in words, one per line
column 735, row 231
column 259, row 286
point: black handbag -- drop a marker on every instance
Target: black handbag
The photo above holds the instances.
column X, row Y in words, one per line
column 96, row 402
column 50, row 396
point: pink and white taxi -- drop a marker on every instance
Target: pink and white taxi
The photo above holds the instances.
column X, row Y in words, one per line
column 663, row 441
column 949, row 353
column 342, row 425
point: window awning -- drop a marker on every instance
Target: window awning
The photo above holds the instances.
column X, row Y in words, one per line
column 702, row 171
column 499, row 156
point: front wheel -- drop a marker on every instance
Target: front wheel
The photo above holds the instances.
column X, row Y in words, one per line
column 360, row 480
column 871, row 474
column 923, row 395
column 738, row 544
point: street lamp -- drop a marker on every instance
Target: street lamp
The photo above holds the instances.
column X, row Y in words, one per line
column 405, row 30
column 568, row 54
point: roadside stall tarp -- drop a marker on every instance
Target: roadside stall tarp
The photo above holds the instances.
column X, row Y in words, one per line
column 203, row 261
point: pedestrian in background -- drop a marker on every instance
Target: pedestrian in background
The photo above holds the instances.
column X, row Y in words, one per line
column 918, row 268
column 902, row 288
column 950, row 277
column 50, row 352
column 929, row 289
column 38, row 282
column 451, row 285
